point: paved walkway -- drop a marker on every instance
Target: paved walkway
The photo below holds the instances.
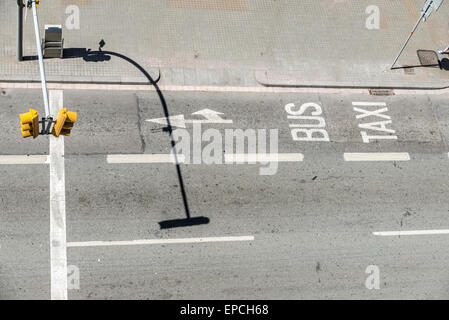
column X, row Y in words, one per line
column 235, row 42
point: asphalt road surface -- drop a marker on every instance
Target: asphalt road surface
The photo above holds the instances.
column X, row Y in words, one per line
column 314, row 229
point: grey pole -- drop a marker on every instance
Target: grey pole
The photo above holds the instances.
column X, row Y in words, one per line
column 41, row 60
column 20, row 30
column 411, row 34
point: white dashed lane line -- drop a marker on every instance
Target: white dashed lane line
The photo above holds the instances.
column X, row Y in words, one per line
column 228, row 158
column 143, row 158
column 158, row 241
column 24, row 159
column 411, row 232
column 377, row 156
column 367, row 104
column 257, row 157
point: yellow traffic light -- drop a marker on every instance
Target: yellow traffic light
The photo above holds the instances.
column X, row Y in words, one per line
column 29, row 4
column 64, row 122
column 29, row 123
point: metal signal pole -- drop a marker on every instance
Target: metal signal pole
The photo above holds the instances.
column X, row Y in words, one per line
column 20, row 30
column 423, row 14
column 429, row 6
column 41, row 60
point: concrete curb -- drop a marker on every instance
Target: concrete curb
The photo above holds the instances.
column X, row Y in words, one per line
column 262, row 78
column 89, row 80
column 183, row 88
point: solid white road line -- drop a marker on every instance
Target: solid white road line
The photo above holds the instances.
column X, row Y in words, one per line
column 58, row 249
column 158, row 241
column 411, row 232
column 377, row 156
column 144, row 158
column 263, row 157
column 228, row 159
column 366, row 104
column 24, row 159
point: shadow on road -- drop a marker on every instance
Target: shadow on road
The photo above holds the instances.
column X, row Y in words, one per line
column 103, row 55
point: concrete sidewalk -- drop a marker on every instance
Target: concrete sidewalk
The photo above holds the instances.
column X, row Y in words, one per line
column 234, row 42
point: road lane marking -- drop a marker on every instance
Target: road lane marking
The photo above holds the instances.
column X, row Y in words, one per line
column 367, row 104
column 411, row 232
column 144, row 158
column 377, row 156
column 24, row 159
column 179, row 120
column 372, row 129
column 228, row 158
column 263, row 157
column 58, row 249
column 307, row 127
column 157, row 241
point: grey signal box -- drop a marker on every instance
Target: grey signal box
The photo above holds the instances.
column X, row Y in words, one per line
column 53, row 43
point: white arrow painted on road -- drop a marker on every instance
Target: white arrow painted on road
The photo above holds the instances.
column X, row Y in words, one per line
column 212, row 115
column 175, row 121
column 180, row 122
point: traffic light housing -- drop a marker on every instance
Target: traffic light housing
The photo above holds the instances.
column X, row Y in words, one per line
column 64, row 122
column 29, row 3
column 29, row 123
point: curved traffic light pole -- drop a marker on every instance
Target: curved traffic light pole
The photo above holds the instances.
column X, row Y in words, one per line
column 48, row 120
